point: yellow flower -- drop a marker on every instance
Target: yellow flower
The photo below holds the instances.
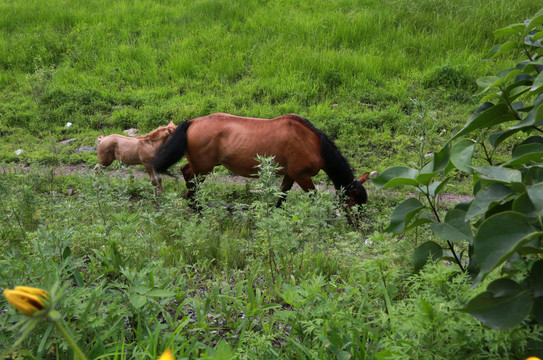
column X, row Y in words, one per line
column 166, row 355
column 26, row 299
column 533, row 358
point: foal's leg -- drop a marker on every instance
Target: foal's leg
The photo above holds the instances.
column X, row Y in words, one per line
column 286, row 185
column 156, row 180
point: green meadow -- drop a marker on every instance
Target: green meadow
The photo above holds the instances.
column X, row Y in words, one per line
column 353, row 68
column 131, row 275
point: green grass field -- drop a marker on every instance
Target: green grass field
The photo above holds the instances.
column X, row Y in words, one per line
column 388, row 81
column 351, row 68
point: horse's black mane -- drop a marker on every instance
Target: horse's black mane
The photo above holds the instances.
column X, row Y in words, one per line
column 337, row 167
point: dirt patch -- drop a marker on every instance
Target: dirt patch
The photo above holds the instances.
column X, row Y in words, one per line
column 454, row 198
column 140, row 173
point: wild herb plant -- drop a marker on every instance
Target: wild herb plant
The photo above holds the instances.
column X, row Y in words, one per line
column 428, row 325
column 156, row 281
column 502, row 224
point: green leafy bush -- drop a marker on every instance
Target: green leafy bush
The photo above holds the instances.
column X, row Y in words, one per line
column 503, row 223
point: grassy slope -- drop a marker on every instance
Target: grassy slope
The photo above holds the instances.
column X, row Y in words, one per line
column 349, row 66
column 352, row 67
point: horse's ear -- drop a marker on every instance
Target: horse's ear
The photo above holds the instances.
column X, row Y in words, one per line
column 362, row 179
column 171, row 123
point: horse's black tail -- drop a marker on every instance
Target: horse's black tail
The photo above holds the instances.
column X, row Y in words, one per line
column 172, row 150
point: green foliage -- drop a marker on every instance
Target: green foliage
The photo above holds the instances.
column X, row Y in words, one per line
column 241, row 278
column 429, row 326
column 142, row 275
column 503, row 223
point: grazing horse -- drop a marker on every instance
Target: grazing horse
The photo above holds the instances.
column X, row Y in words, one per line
column 134, row 151
column 300, row 149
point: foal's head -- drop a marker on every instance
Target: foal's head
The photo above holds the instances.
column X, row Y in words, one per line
column 356, row 194
column 168, row 129
column 162, row 133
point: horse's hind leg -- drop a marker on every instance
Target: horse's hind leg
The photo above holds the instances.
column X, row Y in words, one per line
column 190, row 176
column 286, row 185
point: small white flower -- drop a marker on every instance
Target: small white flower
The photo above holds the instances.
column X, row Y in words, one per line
column 18, row 152
column 68, row 124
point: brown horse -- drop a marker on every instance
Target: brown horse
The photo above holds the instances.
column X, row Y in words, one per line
column 134, row 151
column 298, row 147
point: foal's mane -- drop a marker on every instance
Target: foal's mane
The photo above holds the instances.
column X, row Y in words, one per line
column 337, row 167
column 155, row 134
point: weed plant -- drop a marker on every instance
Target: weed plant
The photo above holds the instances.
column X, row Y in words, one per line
column 240, row 278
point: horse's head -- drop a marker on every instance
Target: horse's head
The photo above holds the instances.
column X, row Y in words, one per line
column 356, row 194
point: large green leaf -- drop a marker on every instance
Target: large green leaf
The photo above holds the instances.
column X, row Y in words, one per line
column 425, row 178
column 526, row 154
column 536, row 278
column 534, row 175
column 537, row 82
column 486, row 116
column 428, row 251
column 516, row 91
column 440, row 161
column 535, row 192
column 499, row 174
column 513, row 74
column 536, row 284
column 396, row 176
column 486, row 197
column 402, row 217
column 534, row 22
column 497, row 138
column 455, row 228
column 524, row 205
column 503, row 306
column 436, row 187
column 534, row 117
column 499, row 237
column 511, row 30
column 488, row 82
column 462, row 153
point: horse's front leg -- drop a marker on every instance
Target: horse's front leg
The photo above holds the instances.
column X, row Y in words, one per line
column 286, row 185
column 305, row 183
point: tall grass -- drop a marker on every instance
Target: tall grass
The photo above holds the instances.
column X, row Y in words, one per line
column 104, row 66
